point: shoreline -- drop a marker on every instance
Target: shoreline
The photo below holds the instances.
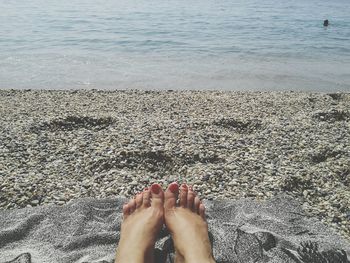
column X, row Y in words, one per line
column 56, row 146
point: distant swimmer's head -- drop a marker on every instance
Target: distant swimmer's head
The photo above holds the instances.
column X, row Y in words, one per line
column 325, row 23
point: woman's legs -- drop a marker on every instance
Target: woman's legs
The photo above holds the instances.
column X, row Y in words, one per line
column 145, row 215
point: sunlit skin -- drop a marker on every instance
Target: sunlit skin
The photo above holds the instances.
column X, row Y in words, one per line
column 144, row 216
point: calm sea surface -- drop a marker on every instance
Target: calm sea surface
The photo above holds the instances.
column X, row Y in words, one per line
column 180, row 44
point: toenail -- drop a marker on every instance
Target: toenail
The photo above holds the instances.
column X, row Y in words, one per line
column 146, row 189
column 174, row 187
column 155, row 188
column 184, row 186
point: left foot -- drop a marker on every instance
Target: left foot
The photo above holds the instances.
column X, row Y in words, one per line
column 187, row 225
column 142, row 222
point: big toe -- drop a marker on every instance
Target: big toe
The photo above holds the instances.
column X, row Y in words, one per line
column 157, row 195
column 171, row 195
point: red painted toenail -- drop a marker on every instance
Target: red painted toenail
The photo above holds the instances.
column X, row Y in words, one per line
column 146, row 189
column 155, row 188
column 184, row 186
column 174, row 188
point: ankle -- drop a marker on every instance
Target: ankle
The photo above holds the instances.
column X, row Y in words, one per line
column 202, row 259
column 124, row 255
column 129, row 258
column 197, row 256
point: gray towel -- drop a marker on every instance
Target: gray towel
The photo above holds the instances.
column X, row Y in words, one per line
column 243, row 231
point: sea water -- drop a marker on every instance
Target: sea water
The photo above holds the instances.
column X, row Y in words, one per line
column 180, row 44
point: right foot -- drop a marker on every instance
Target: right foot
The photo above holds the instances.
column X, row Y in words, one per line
column 187, row 225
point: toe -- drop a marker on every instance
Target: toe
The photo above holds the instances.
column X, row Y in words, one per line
column 157, row 196
column 139, row 199
column 197, row 202
column 183, row 195
column 202, row 211
column 126, row 211
column 132, row 205
column 190, row 199
column 171, row 196
column 146, row 198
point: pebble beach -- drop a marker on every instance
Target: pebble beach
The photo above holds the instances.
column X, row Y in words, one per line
column 56, row 146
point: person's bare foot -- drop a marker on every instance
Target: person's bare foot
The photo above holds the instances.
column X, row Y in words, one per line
column 142, row 221
column 187, row 225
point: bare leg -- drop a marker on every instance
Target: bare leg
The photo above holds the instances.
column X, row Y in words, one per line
column 143, row 219
column 187, row 225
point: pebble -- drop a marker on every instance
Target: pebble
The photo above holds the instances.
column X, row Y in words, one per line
column 34, row 202
column 56, row 146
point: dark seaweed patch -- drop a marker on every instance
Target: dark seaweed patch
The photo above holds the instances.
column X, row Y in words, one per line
column 335, row 96
column 73, row 122
column 201, row 158
column 332, row 116
column 152, row 161
column 237, row 125
column 344, row 176
column 324, row 155
column 296, row 183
